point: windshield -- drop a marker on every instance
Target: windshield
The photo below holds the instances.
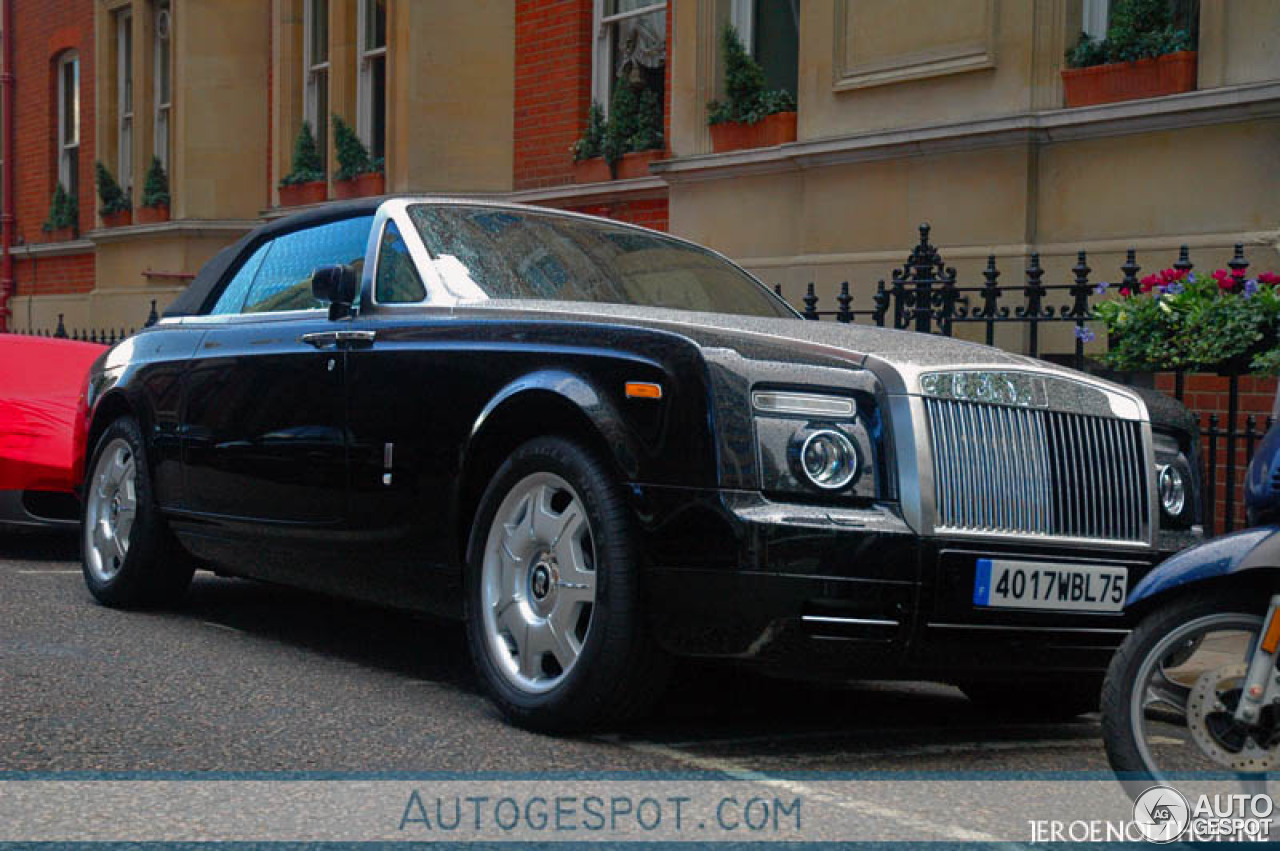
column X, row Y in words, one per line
column 487, row 253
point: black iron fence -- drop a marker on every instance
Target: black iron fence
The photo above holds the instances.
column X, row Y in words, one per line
column 105, row 336
column 924, row 295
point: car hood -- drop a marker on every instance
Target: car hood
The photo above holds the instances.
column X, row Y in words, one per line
column 895, row 357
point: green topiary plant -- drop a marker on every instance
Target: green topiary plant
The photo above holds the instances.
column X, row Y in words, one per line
column 591, row 143
column 746, row 99
column 64, row 212
column 109, row 192
column 1140, row 29
column 307, row 167
column 353, row 156
column 155, row 190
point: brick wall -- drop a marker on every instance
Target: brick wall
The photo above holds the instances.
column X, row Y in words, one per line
column 43, row 31
column 650, row 213
column 71, row 273
column 1208, row 396
column 552, row 88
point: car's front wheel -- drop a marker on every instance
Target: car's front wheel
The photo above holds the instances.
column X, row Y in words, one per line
column 130, row 558
column 554, row 616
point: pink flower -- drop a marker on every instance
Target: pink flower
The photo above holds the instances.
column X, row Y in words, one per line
column 1269, row 278
column 1125, row 291
column 1147, row 283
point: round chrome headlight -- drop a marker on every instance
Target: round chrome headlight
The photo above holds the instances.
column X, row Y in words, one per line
column 828, row 459
column 1172, row 485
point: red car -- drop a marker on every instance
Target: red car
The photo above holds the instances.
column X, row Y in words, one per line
column 42, row 428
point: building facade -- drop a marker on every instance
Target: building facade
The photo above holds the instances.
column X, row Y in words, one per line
column 907, row 111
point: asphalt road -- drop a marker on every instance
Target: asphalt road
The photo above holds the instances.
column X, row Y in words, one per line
column 247, row 677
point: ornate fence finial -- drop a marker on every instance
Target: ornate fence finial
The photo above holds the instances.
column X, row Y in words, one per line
column 152, row 317
column 1183, row 263
column 61, row 330
column 810, row 303
column 1130, row 270
column 881, row 304
column 1080, row 288
column 843, row 314
column 1238, row 264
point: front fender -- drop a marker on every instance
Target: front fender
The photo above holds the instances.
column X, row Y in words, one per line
column 578, row 393
column 1250, row 549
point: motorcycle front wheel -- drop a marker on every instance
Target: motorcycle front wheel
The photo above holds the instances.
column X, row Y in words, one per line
column 1171, row 691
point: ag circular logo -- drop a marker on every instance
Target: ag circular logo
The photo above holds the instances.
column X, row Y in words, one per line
column 1161, row 814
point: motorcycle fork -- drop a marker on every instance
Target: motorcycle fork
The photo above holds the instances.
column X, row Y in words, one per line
column 1262, row 682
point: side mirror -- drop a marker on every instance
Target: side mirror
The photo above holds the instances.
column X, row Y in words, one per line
column 338, row 286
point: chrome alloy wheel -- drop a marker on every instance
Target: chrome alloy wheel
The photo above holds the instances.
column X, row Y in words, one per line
column 538, row 582
column 111, row 509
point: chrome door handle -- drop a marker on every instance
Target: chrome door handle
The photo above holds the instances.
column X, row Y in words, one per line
column 320, row 339
column 356, row 338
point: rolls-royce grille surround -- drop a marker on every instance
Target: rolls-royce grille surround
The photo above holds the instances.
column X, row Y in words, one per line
column 1003, row 470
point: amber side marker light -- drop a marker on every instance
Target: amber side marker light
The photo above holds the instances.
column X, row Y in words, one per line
column 1272, row 639
column 643, row 390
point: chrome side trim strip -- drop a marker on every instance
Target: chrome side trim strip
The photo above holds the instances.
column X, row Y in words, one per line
column 1015, row 628
column 847, row 621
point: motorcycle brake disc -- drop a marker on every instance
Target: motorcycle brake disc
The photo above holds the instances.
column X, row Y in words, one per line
column 1205, row 711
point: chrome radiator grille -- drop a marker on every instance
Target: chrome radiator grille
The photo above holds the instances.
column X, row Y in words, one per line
column 1005, row 470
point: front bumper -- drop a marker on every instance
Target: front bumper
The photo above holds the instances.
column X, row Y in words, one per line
column 816, row 591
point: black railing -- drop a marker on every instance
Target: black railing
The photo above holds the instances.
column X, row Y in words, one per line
column 923, row 295
column 105, row 336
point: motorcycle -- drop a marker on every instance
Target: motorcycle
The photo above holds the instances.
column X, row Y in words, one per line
column 1195, row 687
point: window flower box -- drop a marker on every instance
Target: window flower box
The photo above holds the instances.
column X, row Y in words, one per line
column 153, row 215
column 593, row 170
column 61, row 234
column 118, row 219
column 776, row 129
column 371, row 183
column 298, row 194
column 636, row 164
column 1120, row 81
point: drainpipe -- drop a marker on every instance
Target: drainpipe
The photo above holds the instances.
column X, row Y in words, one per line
column 7, row 217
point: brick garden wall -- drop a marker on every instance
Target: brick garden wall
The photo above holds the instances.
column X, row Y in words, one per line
column 45, row 30
column 650, row 213
column 1207, row 395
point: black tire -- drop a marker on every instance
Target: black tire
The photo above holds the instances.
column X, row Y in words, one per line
column 620, row 671
column 1037, row 701
column 155, row 570
column 1117, row 715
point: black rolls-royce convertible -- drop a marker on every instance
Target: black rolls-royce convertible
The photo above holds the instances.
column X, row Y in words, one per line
column 605, row 448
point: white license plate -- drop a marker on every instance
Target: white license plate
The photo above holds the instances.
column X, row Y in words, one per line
column 1004, row 584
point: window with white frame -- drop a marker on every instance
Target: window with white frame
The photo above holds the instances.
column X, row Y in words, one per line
column 69, row 122
column 1094, row 21
column 630, row 46
column 163, row 81
column 371, row 96
column 315, row 67
column 770, row 31
column 124, row 98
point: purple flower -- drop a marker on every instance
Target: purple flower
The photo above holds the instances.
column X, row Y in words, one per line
column 1250, row 288
column 1191, row 277
column 1101, row 288
column 1173, row 289
column 1085, row 335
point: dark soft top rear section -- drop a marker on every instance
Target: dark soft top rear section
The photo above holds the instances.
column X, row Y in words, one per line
column 206, row 283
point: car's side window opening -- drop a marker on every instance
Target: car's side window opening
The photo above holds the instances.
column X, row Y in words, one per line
column 397, row 280
column 278, row 275
column 237, row 288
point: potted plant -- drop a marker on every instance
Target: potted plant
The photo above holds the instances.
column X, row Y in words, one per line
column 116, row 210
column 358, row 174
column 64, row 216
column 1177, row 320
column 750, row 116
column 155, row 195
column 372, row 181
column 1143, row 56
column 306, row 183
column 588, row 152
column 623, row 145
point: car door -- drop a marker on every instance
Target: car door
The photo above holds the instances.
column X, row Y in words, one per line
column 264, row 419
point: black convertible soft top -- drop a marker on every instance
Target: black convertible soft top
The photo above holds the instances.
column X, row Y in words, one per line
column 194, row 299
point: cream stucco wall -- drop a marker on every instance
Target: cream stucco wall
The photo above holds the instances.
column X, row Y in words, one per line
column 219, row 165
column 451, row 96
